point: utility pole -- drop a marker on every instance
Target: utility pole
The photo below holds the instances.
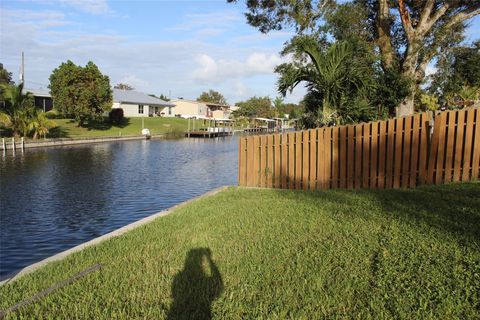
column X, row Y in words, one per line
column 22, row 70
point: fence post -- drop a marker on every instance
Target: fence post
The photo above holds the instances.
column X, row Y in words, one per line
column 13, row 143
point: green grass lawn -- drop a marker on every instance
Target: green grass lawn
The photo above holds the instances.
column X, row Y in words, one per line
column 250, row 253
column 132, row 127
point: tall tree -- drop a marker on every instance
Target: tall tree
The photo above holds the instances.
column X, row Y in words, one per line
column 5, row 80
column 123, row 86
column 458, row 67
column 164, row 97
column 213, row 97
column 255, row 107
column 83, row 93
column 5, row 76
column 409, row 34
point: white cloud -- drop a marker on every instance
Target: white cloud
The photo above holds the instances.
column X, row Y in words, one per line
column 224, row 19
column 262, row 63
column 213, row 71
column 133, row 81
column 240, row 90
column 89, row 6
column 208, row 68
column 37, row 19
column 210, row 32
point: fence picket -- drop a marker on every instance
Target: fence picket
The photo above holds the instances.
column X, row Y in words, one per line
column 374, row 155
column 414, row 170
column 468, row 145
column 425, row 147
column 298, row 160
column 305, row 158
column 256, row 161
column 249, row 157
column 476, row 151
column 327, row 158
column 457, row 167
column 277, row 161
column 390, row 154
column 270, row 161
column 313, row 159
column 399, row 122
column 291, row 160
column 350, row 156
column 407, row 145
column 449, row 154
column 382, row 154
column 263, row 169
column 335, row 157
column 440, row 163
column 358, row 156
column 366, row 155
column 343, row 157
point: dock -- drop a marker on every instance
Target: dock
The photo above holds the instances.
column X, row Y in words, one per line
column 216, row 128
column 207, row 134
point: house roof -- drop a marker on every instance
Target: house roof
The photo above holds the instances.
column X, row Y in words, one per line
column 265, row 119
column 208, row 104
column 135, row 97
column 38, row 92
column 211, row 104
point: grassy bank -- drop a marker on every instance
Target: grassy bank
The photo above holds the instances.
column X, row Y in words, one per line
column 247, row 253
column 131, row 127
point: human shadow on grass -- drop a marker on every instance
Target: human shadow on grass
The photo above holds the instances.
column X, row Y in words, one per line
column 196, row 287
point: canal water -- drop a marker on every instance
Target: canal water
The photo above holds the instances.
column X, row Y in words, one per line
column 53, row 199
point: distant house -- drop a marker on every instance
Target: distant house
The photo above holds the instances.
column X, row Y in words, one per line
column 43, row 99
column 138, row 104
column 196, row 109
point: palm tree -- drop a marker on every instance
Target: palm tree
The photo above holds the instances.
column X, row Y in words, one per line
column 330, row 74
column 15, row 112
column 40, row 125
column 20, row 114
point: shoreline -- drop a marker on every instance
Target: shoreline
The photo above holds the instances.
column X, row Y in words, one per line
column 71, row 141
column 115, row 233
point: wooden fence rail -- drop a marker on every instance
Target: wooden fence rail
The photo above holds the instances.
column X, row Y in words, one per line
column 396, row 153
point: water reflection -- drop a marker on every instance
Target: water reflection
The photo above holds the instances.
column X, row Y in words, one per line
column 55, row 198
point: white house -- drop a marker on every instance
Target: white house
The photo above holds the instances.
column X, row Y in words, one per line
column 138, row 104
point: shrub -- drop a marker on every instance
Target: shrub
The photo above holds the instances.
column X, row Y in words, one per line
column 115, row 116
column 53, row 114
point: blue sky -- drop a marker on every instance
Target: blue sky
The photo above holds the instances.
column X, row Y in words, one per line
column 181, row 47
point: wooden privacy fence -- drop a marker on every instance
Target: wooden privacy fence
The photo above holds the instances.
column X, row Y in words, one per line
column 395, row 153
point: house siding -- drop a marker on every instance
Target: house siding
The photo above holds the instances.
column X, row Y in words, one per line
column 131, row 110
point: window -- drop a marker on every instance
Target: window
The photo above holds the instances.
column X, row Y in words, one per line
column 140, row 109
column 169, row 110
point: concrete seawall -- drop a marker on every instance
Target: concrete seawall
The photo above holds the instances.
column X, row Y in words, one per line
column 67, row 142
column 59, row 256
